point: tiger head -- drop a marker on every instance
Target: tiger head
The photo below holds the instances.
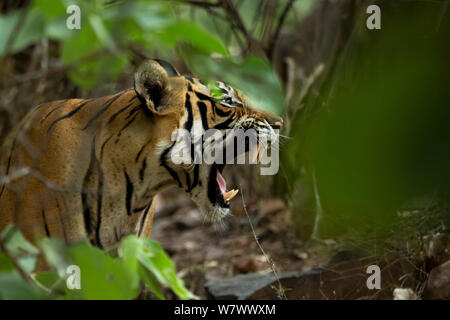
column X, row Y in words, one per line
column 187, row 104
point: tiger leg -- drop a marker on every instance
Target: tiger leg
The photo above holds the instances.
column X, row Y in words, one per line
column 148, row 221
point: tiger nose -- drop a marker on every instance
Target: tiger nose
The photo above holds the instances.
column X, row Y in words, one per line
column 278, row 124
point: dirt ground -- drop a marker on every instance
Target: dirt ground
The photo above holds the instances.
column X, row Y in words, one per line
column 201, row 249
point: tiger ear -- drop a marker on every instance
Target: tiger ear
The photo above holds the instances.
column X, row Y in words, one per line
column 150, row 82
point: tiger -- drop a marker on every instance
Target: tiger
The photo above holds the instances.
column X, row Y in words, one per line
column 89, row 169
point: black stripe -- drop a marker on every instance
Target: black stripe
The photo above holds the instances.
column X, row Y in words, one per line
column 142, row 150
column 164, row 164
column 190, row 120
column 102, row 110
column 196, row 176
column 121, row 110
column 84, row 195
column 99, row 204
column 116, row 236
column 129, row 193
column 126, row 126
column 58, row 106
column 162, row 184
column 47, row 232
column 142, row 171
column 203, row 112
column 135, row 109
column 9, row 162
column 144, row 216
column 202, row 96
column 222, row 113
column 71, row 113
column 21, row 128
column 224, row 125
column 103, row 147
column 60, row 215
column 188, row 180
column 139, row 209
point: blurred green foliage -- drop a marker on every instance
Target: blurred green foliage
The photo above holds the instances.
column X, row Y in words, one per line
column 102, row 275
column 109, row 33
column 379, row 134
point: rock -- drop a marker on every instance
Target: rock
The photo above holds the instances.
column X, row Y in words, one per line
column 344, row 280
column 436, row 249
column 438, row 284
column 241, row 286
column 404, row 294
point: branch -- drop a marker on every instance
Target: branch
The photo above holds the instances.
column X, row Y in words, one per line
column 202, row 4
column 27, row 277
column 274, row 38
column 234, row 15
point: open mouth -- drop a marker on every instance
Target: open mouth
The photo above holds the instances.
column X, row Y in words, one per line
column 217, row 187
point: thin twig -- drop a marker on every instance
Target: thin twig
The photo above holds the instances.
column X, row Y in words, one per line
column 19, row 268
column 234, row 16
column 203, row 4
column 274, row 38
column 281, row 290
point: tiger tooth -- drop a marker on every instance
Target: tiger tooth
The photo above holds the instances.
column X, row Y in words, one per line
column 255, row 154
column 227, row 196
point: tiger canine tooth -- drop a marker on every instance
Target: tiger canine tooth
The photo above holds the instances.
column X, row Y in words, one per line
column 255, row 154
column 227, row 196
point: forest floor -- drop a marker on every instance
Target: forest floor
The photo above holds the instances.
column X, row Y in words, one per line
column 201, row 250
column 324, row 269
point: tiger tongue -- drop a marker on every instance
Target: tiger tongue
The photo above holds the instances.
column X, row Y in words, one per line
column 221, row 182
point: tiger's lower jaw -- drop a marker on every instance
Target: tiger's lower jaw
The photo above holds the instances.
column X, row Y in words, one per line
column 218, row 197
column 218, row 214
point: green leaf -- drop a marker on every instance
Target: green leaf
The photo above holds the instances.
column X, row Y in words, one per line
column 102, row 276
column 50, row 8
column 216, row 93
column 256, row 79
column 148, row 15
column 52, row 281
column 102, row 68
column 7, row 25
column 22, row 250
column 81, row 44
column 151, row 282
column 252, row 75
column 128, row 251
column 30, row 31
column 154, row 267
column 55, row 253
column 152, row 256
column 102, row 32
column 5, row 263
column 14, row 287
column 188, row 32
column 56, row 29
